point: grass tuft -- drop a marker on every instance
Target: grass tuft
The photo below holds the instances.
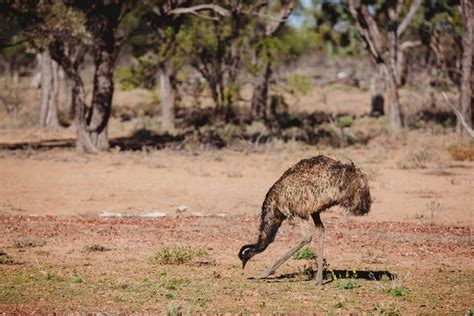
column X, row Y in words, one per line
column 28, row 243
column 347, row 284
column 177, row 254
column 96, row 248
column 6, row 259
column 398, row 291
column 305, row 253
column 415, row 159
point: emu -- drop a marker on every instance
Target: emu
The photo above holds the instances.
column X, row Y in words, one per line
column 305, row 190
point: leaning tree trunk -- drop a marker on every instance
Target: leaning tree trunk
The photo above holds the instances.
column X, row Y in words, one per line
column 103, row 90
column 467, row 69
column 167, row 98
column 260, row 93
column 49, row 91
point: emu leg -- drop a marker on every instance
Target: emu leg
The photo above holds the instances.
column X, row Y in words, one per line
column 304, row 241
column 320, row 261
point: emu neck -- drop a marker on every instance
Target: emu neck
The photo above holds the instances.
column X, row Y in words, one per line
column 270, row 222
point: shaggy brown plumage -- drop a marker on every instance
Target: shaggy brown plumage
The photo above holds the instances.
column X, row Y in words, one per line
column 303, row 191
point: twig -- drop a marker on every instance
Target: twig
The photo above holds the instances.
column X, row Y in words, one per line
column 459, row 116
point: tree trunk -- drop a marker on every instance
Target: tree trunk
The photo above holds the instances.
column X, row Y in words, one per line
column 83, row 140
column 68, row 98
column 467, row 69
column 103, row 90
column 260, row 93
column 70, row 58
column 377, row 89
column 395, row 115
column 167, row 98
column 401, row 63
column 36, row 78
column 49, row 91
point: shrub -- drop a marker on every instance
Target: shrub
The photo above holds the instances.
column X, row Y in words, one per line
column 462, row 153
column 345, row 121
column 415, row 160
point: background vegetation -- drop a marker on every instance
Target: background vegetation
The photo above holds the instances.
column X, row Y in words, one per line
column 216, row 69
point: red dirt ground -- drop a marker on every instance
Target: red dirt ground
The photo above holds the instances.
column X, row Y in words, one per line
column 420, row 228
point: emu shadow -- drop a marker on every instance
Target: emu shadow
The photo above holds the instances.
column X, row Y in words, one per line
column 331, row 275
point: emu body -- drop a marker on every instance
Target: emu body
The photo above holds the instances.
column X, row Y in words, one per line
column 303, row 191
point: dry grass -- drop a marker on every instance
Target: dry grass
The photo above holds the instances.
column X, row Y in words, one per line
column 6, row 259
column 28, row 243
column 96, row 248
column 415, row 159
column 462, row 152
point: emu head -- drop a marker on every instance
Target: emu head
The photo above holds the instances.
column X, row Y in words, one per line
column 357, row 199
column 245, row 253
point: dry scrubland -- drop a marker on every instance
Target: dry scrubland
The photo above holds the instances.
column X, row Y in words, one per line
column 58, row 254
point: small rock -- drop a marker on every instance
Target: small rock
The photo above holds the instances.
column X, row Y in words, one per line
column 181, row 208
column 153, row 214
column 110, row 214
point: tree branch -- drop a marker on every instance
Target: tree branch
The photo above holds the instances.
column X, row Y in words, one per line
column 410, row 44
column 368, row 29
column 277, row 22
column 459, row 116
column 409, row 17
column 201, row 7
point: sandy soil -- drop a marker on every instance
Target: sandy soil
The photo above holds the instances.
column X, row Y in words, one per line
column 58, row 254
column 59, row 182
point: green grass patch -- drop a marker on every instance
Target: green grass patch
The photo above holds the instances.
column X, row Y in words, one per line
column 305, row 253
column 398, row 291
column 347, row 284
column 177, row 254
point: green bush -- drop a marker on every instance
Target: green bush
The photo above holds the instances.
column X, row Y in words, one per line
column 345, row 121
